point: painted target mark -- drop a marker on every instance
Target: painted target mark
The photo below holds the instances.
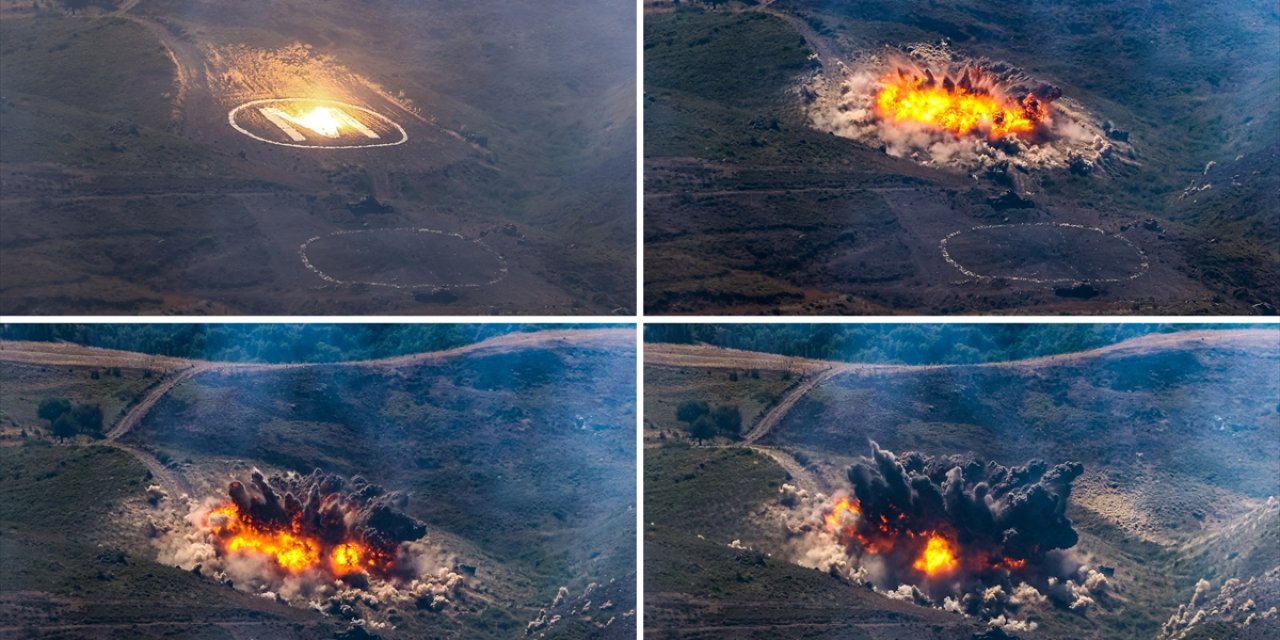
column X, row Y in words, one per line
column 500, row 273
column 946, row 254
column 308, row 123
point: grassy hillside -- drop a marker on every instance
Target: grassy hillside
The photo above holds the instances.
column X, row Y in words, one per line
column 752, row 210
column 1177, row 443
column 495, row 450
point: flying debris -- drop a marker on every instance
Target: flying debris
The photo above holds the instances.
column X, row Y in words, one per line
column 314, row 523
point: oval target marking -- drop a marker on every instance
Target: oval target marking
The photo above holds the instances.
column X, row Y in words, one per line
column 309, row 123
column 1045, row 253
column 403, row 258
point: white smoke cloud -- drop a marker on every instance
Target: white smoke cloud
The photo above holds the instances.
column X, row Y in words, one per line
column 1231, row 603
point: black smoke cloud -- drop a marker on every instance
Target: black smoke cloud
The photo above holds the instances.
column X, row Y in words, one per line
column 1002, row 512
column 327, row 506
column 1006, row 526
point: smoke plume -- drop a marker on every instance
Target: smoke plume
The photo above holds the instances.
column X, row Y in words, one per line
column 952, row 532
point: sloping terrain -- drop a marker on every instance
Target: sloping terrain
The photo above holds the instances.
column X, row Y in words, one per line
column 1176, row 433
column 148, row 201
column 752, row 207
column 517, row 453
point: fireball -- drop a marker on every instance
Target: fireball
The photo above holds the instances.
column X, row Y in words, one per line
column 963, row 107
column 291, row 550
column 937, row 557
column 835, row 519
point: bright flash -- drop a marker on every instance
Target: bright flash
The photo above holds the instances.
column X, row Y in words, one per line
column 291, row 551
column 322, row 120
column 937, row 557
column 346, row 558
column 960, row 108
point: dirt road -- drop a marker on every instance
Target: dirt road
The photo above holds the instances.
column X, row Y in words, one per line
column 789, row 399
column 180, row 370
column 74, row 355
column 140, row 409
column 818, row 372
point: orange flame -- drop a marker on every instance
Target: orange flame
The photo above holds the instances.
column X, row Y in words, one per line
column 937, row 557
column 291, row 551
column 960, row 108
column 1011, row 564
column 835, row 519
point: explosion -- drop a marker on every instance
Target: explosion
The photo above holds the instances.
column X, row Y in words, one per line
column 929, row 103
column 937, row 558
column 935, row 515
column 322, row 120
column 343, row 546
column 316, row 526
column 962, row 107
column 952, row 532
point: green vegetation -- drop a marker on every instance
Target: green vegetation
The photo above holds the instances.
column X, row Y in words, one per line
column 742, row 58
column 24, row 388
column 273, row 342
column 749, row 396
column 682, row 484
column 706, row 423
column 65, row 489
column 66, row 421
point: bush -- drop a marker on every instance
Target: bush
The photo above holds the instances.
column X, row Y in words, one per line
column 690, row 410
column 88, row 419
column 64, row 427
column 704, row 428
column 728, row 419
column 66, row 421
column 53, row 408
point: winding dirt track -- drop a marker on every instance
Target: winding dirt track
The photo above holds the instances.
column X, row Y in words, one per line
column 140, row 409
column 180, row 370
column 789, row 399
column 817, row 372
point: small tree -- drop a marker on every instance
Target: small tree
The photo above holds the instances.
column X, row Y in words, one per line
column 88, row 419
column 52, row 408
column 728, row 419
column 64, row 427
column 704, row 428
column 690, row 410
